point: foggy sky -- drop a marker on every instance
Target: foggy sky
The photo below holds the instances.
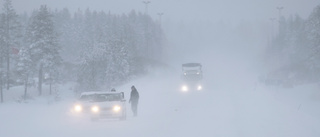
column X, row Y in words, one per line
column 192, row 14
column 186, row 10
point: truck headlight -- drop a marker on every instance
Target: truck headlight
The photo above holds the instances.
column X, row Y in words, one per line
column 184, row 88
column 199, row 87
column 78, row 108
column 116, row 108
column 95, row 109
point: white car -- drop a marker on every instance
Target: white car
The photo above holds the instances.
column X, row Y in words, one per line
column 102, row 105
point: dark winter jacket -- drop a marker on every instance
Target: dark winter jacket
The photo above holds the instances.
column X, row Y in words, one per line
column 134, row 96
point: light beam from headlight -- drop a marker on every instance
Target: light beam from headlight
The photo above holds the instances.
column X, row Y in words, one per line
column 78, row 108
column 116, row 108
column 199, row 87
column 184, row 88
column 95, row 109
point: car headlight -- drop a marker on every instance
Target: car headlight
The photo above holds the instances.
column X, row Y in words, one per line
column 95, row 109
column 116, row 108
column 184, row 88
column 78, row 108
column 199, row 87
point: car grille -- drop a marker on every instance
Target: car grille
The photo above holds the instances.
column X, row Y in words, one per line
column 106, row 109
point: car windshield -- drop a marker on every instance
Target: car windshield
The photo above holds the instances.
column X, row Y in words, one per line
column 101, row 97
column 86, row 97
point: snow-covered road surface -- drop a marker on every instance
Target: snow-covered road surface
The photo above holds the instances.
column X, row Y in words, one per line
column 166, row 112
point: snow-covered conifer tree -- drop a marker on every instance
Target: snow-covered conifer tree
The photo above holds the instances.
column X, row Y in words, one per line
column 24, row 68
column 313, row 33
column 2, row 56
column 11, row 34
column 91, row 59
column 43, row 43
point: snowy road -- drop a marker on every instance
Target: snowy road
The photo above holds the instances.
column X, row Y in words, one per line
column 165, row 112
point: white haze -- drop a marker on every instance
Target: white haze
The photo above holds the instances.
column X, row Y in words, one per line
column 184, row 9
column 191, row 27
column 233, row 103
column 224, row 108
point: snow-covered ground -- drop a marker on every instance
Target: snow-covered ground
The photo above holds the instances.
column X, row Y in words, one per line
column 228, row 110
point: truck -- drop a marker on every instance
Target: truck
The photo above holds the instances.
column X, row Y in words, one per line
column 191, row 77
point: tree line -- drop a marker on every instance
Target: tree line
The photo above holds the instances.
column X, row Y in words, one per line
column 95, row 49
column 294, row 53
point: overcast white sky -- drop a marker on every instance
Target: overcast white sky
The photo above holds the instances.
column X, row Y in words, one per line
column 193, row 13
column 186, row 10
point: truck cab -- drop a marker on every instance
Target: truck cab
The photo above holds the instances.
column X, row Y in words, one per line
column 191, row 77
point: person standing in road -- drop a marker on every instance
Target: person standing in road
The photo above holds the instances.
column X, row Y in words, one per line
column 134, row 100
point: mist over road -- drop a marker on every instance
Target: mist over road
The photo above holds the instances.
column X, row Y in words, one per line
column 221, row 109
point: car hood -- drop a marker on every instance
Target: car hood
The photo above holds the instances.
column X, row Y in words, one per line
column 101, row 104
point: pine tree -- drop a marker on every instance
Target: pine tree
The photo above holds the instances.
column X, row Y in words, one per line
column 67, row 34
column 313, row 33
column 25, row 68
column 113, row 48
column 2, row 55
column 43, row 43
column 93, row 50
column 118, row 67
column 12, row 34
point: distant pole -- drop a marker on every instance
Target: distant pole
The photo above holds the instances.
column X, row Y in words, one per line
column 279, row 20
column 272, row 25
column 146, row 3
column 160, row 14
column 279, row 9
column 1, row 80
column 160, row 53
column 7, row 31
column 146, row 31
